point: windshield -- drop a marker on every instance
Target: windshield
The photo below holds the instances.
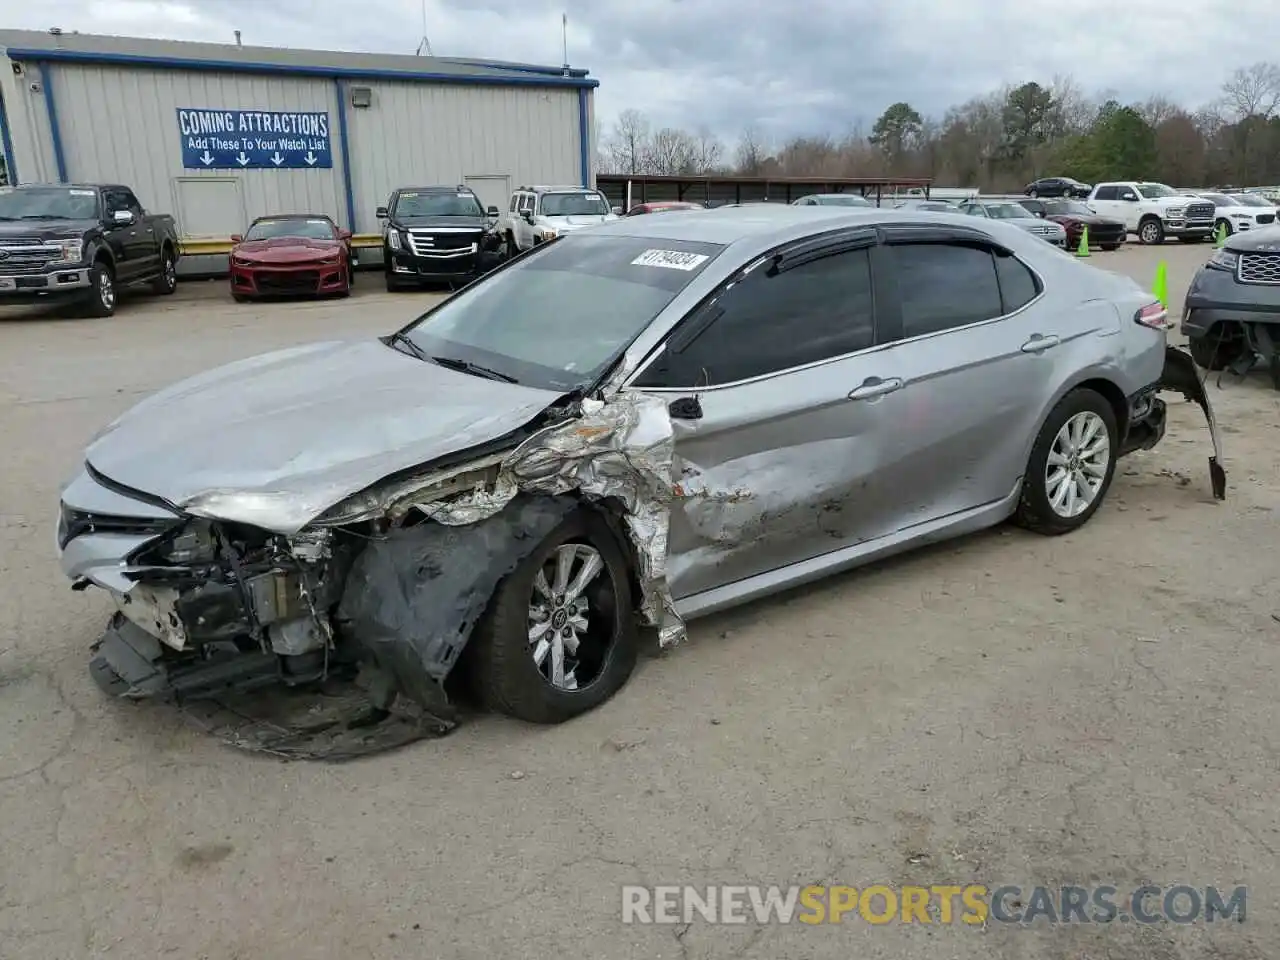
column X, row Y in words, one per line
column 557, row 318
column 1252, row 200
column 1153, row 191
column 1007, row 211
column 313, row 228
column 849, row 201
column 1065, row 208
column 1218, row 199
column 574, row 205
column 48, row 203
column 437, row 205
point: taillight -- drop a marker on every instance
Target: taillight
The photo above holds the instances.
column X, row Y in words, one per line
column 1153, row 315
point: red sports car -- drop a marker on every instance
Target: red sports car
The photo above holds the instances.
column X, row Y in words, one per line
column 663, row 206
column 292, row 255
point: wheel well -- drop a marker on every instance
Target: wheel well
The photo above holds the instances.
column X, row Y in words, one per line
column 104, row 258
column 1147, row 217
column 1114, row 396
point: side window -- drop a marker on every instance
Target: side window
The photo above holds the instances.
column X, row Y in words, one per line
column 526, row 203
column 511, row 207
column 1108, row 193
column 945, row 285
column 1018, row 285
column 130, row 202
column 769, row 322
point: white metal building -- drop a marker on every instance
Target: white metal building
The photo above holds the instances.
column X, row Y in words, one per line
column 219, row 134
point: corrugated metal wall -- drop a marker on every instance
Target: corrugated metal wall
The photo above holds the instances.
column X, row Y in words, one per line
column 416, row 134
column 120, row 125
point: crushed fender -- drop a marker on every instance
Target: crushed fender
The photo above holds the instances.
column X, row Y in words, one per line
column 1180, row 376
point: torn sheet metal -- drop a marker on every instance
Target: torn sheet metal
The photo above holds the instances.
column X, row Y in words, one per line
column 1181, row 376
column 413, row 597
column 622, row 450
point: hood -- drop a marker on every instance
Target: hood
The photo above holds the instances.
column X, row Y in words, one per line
column 1262, row 240
column 286, row 249
column 1028, row 222
column 474, row 223
column 578, row 221
column 275, row 440
column 46, row 229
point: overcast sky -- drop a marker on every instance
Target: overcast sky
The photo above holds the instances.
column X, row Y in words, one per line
column 803, row 66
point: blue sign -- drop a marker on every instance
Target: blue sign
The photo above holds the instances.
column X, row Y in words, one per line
column 254, row 140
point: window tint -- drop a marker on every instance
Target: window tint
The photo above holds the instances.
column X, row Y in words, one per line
column 1018, row 285
column 526, row 203
column 769, row 322
column 130, row 201
column 945, row 285
column 1108, row 193
column 511, row 207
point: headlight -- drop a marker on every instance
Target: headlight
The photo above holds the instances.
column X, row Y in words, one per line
column 193, row 545
column 1224, row 260
column 393, row 239
column 548, row 233
column 242, row 261
column 1175, row 212
column 70, row 251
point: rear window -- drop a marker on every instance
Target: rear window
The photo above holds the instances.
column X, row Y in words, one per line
column 560, row 316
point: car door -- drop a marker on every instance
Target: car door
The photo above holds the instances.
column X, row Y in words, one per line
column 524, row 229
column 779, row 429
column 975, row 358
column 1106, row 202
column 144, row 245
column 120, row 236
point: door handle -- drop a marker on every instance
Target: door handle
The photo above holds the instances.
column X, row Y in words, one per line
column 1039, row 344
column 874, row 387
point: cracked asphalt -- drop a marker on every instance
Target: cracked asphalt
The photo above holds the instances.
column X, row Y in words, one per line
column 1094, row 709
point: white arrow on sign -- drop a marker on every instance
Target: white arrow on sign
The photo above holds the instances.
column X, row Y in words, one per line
column 242, row 159
column 310, row 158
column 206, row 158
column 276, row 158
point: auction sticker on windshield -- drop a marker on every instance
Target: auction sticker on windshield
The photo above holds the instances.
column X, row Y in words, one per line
column 670, row 260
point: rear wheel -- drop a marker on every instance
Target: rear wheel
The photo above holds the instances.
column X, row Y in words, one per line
column 1033, row 193
column 1071, row 465
column 560, row 635
column 167, row 282
column 1222, row 346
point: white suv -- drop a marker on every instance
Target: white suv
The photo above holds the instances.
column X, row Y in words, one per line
column 537, row 214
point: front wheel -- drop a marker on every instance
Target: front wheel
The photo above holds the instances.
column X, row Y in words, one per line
column 1151, row 231
column 167, row 282
column 1222, row 347
column 1224, row 227
column 1071, row 465
column 102, row 290
column 560, row 635
column 1033, row 194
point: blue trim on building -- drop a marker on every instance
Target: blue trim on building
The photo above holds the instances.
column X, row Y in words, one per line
column 6, row 144
column 584, row 137
column 347, row 188
column 55, row 132
column 529, row 79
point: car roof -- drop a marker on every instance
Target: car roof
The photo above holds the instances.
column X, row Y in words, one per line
column 293, row 216
column 435, row 188
column 570, row 188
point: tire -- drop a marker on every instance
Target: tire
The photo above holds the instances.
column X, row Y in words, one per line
column 393, row 285
column 1223, row 225
column 504, row 669
column 167, row 282
column 1219, row 349
column 512, row 249
column 1110, row 246
column 1035, row 510
column 101, row 301
column 239, row 298
column 1151, row 231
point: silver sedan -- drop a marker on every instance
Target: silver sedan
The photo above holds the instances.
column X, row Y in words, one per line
column 633, row 425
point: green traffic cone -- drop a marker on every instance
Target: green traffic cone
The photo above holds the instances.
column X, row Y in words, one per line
column 1220, row 236
column 1161, row 286
column 1083, row 249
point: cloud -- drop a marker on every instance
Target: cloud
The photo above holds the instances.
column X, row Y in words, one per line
column 809, row 66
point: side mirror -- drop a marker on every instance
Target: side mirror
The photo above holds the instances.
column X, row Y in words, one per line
column 236, row 237
column 344, row 234
column 528, row 217
column 1131, row 197
column 616, row 211
column 492, row 213
column 381, row 213
column 122, row 217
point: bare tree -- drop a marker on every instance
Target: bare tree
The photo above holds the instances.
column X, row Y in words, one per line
column 1253, row 91
column 671, row 152
column 708, row 151
column 1158, row 109
column 752, row 152
column 628, row 144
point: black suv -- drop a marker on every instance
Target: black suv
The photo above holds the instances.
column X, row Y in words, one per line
column 1057, row 187
column 437, row 235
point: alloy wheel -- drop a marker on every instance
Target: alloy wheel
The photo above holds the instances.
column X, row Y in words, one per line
column 1077, row 464
column 569, row 629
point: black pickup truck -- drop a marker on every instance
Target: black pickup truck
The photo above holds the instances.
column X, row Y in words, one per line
column 81, row 243
column 437, row 235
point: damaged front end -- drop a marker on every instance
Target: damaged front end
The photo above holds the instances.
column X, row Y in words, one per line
column 380, row 594
column 1180, row 375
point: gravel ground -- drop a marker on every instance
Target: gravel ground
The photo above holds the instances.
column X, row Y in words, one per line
column 1092, row 709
